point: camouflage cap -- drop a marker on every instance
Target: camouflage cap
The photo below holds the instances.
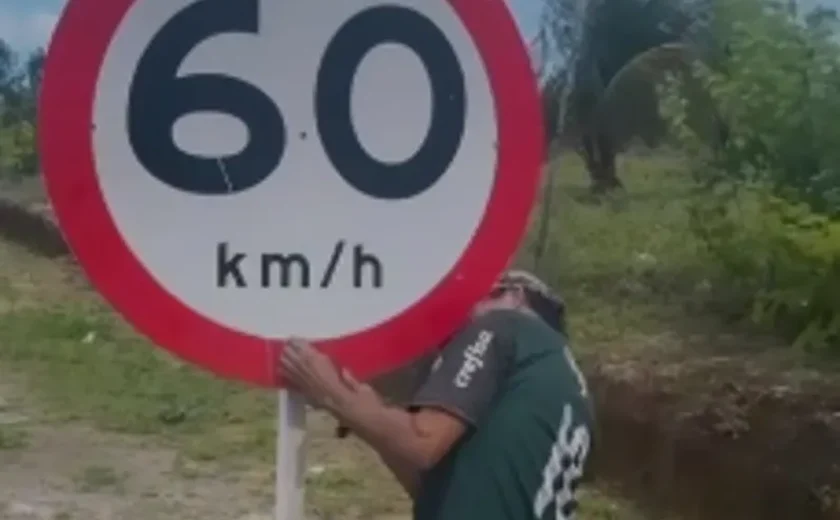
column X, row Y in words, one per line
column 549, row 305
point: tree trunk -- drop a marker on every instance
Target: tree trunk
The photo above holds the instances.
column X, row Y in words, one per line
column 600, row 156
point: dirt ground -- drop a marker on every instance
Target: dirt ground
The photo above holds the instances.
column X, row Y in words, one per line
column 51, row 471
column 722, row 437
column 74, row 471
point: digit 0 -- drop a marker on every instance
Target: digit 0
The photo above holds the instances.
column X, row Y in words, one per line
column 158, row 98
column 344, row 55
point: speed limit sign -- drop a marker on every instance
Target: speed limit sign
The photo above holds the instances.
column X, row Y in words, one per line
column 230, row 173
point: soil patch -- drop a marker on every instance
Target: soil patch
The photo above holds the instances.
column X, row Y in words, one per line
column 726, row 437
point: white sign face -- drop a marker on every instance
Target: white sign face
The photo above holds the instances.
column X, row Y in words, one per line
column 258, row 209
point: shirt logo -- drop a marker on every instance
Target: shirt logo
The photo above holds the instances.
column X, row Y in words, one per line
column 473, row 359
column 563, row 471
column 584, row 391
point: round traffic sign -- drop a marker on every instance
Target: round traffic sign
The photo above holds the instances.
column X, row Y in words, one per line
column 229, row 174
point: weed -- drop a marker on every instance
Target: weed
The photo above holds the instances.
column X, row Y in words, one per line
column 96, row 479
column 13, row 437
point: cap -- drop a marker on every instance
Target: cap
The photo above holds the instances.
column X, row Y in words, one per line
column 549, row 305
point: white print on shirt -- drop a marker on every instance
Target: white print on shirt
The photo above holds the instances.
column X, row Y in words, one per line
column 473, row 359
column 584, row 391
column 437, row 363
column 564, row 468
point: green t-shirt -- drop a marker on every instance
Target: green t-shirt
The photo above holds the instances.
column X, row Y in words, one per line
column 513, row 380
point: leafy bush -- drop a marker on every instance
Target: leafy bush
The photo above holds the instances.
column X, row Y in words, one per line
column 778, row 259
column 776, row 89
column 17, row 149
column 771, row 211
column 20, row 80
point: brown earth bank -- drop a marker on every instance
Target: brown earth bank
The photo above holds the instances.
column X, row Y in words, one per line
column 719, row 437
column 706, row 435
column 32, row 227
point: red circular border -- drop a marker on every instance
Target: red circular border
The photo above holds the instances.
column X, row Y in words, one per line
column 78, row 48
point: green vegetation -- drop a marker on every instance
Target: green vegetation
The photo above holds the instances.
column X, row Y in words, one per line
column 95, row 479
column 770, row 214
column 627, row 264
column 748, row 90
column 13, row 437
column 91, row 366
column 19, row 85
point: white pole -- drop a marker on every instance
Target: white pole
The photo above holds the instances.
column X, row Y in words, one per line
column 291, row 456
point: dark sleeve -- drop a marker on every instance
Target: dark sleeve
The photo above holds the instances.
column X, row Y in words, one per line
column 470, row 370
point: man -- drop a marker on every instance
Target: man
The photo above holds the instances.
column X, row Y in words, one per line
column 500, row 430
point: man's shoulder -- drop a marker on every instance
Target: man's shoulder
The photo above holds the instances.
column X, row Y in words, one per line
column 514, row 323
column 517, row 327
column 496, row 315
column 490, row 330
column 504, row 319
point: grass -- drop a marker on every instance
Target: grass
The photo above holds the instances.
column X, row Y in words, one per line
column 27, row 190
column 627, row 265
column 13, row 437
column 97, row 479
column 626, row 268
column 121, row 384
column 595, row 505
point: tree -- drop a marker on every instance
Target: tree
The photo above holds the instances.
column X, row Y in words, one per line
column 19, row 85
column 622, row 48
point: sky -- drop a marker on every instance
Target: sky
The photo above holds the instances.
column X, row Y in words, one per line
column 28, row 24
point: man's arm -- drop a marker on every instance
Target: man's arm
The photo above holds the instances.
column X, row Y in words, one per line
column 456, row 396
column 409, row 443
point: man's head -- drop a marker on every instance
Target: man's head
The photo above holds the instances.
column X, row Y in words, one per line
column 521, row 290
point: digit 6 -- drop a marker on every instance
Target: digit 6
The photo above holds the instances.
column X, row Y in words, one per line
column 158, row 98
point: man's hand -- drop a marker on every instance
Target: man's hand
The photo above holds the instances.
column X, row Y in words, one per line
column 315, row 376
column 409, row 443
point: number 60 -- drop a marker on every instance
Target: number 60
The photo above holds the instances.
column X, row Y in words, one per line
column 158, row 98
